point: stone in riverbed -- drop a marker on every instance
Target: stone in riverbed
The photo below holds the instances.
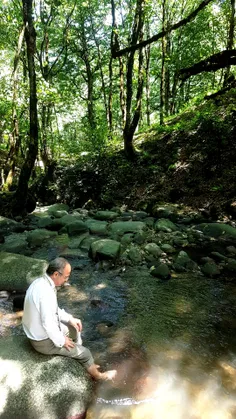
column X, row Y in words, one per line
column 153, row 249
column 217, row 229
column 15, row 243
column 165, row 225
column 161, row 271
column 210, row 269
column 18, row 271
column 7, row 225
column 37, row 386
column 105, row 215
column 105, row 249
column 184, row 263
column 97, row 227
column 123, row 227
column 39, row 237
column 231, row 265
column 135, row 254
column 76, row 228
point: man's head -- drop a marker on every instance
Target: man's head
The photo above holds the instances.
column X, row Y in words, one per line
column 59, row 270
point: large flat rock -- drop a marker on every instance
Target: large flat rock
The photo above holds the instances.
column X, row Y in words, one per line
column 35, row 386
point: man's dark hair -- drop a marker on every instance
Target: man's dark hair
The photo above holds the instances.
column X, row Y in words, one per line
column 57, row 264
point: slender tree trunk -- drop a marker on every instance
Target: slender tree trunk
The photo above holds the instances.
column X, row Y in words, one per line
column 122, row 91
column 115, row 46
column 101, row 71
column 230, row 43
column 30, row 38
column 131, row 123
column 147, row 78
column 163, row 76
column 90, row 102
column 167, row 76
column 110, row 96
column 14, row 150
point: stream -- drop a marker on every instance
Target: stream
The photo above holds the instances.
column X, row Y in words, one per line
column 172, row 342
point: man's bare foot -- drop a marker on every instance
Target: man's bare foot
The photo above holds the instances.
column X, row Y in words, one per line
column 108, row 375
column 104, row 376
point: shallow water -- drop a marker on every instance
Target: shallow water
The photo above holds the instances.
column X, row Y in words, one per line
column 185, row 366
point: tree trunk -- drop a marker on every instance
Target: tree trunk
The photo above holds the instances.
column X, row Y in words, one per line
column 163, row 76
column 230, row 43
column 147, row 78
column 30, row 38
column 14, row 150
column 131, row 123
column 167, row 76
column 101, row 70
column 110, row 96
column 89, row 78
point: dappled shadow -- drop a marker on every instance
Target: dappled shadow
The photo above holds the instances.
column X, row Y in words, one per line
column 35, row 386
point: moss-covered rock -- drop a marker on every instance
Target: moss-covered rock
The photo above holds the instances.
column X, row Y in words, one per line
column 40, row 236
column 217, row 229
column 18, row 271
column 165, row 225
column 105, row 215
column 97, row 227
column 210, row 269
column 153, row 249
column 161, row 271
column 105, row 249
column 76, row 228
column 120, row 227
column 16, row 243
column 7, row 225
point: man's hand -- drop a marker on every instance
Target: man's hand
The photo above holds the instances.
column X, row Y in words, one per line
column 76, row 323
column 68, row 343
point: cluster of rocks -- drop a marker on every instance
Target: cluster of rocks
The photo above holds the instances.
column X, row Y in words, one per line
column 164, row 242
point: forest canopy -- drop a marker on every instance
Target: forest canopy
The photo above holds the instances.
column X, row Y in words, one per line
column 81, row 77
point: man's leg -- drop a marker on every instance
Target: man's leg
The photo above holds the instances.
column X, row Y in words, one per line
column 79, row 352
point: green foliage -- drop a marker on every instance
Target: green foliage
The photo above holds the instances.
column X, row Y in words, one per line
column 72, row 66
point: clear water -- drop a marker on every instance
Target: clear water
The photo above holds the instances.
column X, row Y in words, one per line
column 183, row 363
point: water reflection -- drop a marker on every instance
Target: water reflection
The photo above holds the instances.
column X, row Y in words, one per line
column 186, row 365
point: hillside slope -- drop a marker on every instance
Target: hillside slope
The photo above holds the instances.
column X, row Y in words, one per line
column 191, row 161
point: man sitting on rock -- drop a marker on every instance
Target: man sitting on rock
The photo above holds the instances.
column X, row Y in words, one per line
column 48, row 327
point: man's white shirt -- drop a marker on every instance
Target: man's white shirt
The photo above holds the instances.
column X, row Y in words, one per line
column 42, row 316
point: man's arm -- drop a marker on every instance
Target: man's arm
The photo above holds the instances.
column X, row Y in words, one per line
column 68, row 318
column 49, row 320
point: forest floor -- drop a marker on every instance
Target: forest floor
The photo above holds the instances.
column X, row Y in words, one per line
column 189, row 161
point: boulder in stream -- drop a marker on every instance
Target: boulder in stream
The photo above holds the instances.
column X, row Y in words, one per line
column 105, row 249
column 18, row 271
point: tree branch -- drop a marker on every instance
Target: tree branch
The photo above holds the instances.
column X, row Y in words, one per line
column 214, row 62
column 160, row 35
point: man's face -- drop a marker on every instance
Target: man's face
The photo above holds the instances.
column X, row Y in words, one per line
column 60, row 277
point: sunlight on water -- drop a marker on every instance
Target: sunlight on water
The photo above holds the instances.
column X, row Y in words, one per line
column 190, row 366
column 167, row 395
